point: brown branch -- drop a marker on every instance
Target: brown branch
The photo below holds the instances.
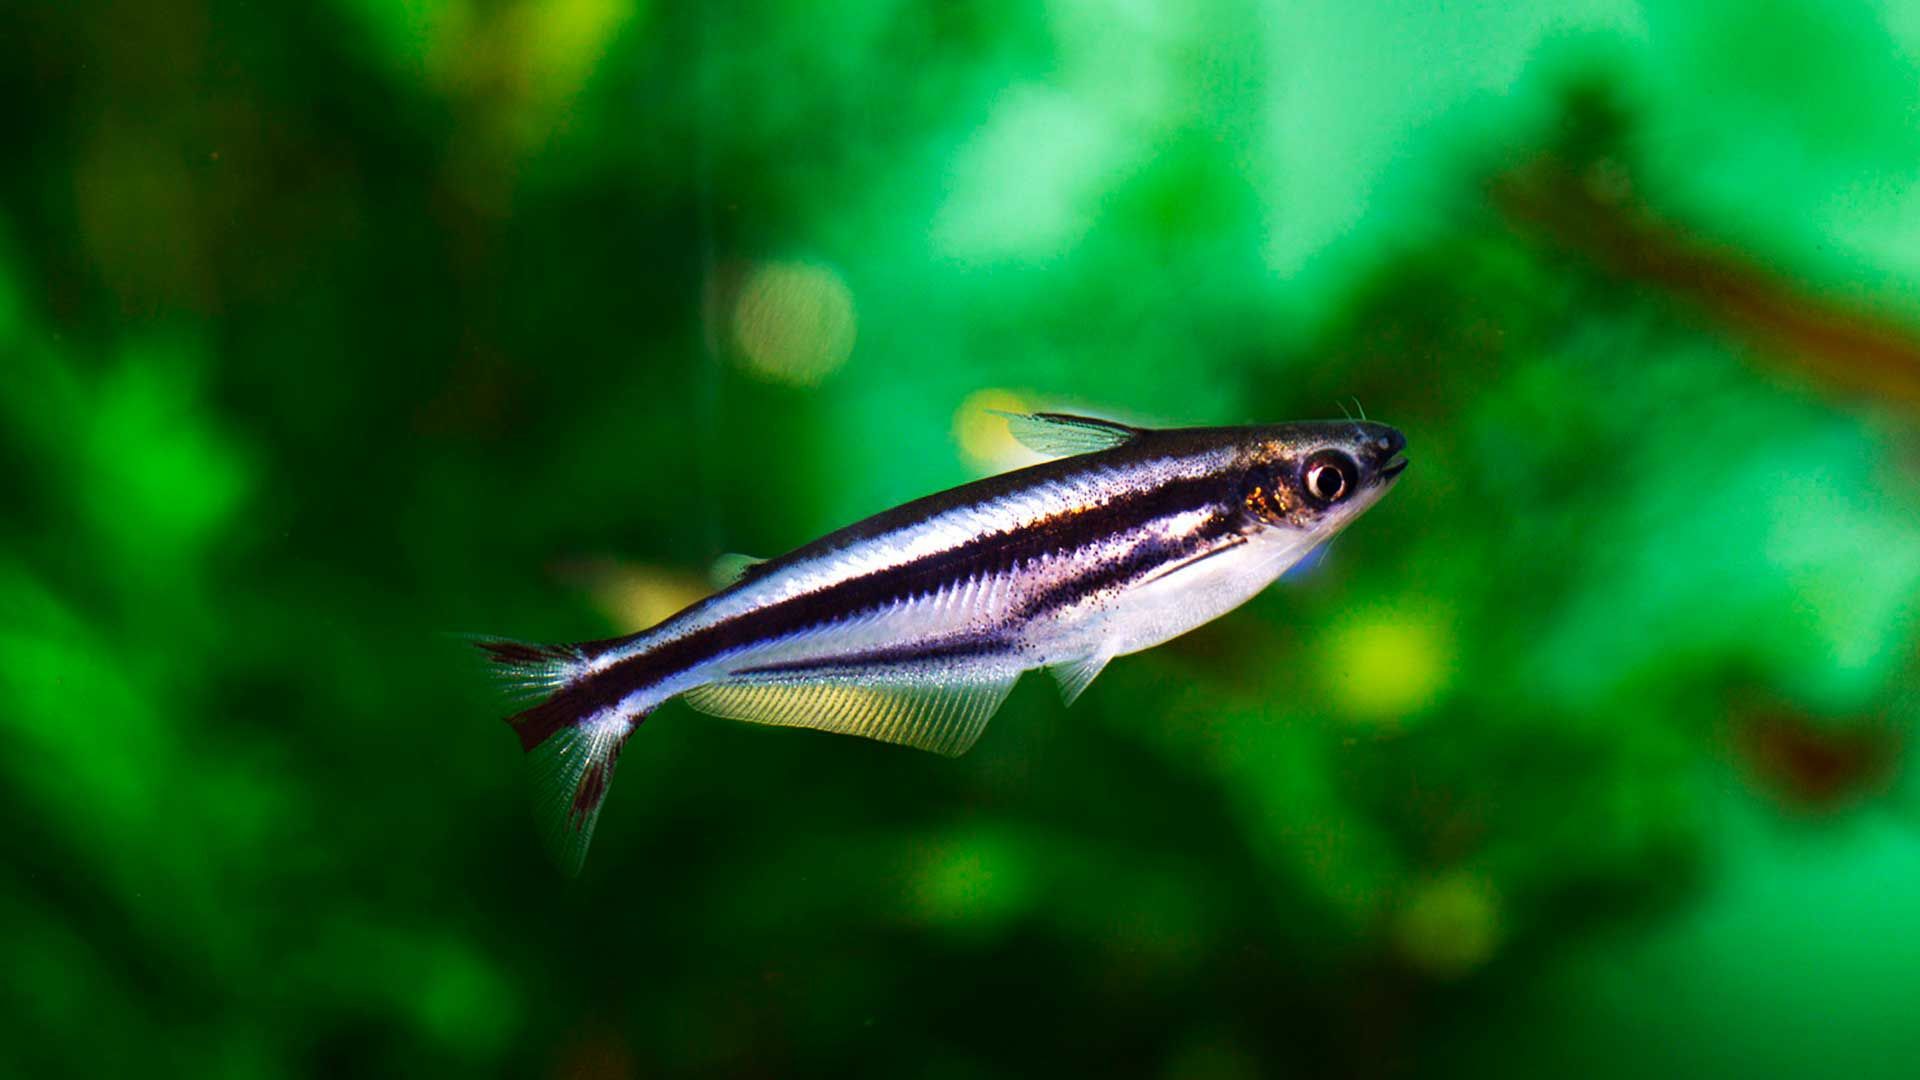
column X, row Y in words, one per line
column 1585, row 213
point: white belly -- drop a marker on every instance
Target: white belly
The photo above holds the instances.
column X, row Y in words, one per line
column 1146, row 615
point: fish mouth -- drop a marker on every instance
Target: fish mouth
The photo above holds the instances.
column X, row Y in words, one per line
column 1392, row 469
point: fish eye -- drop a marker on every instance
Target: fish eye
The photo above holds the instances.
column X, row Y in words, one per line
column 1329, row 476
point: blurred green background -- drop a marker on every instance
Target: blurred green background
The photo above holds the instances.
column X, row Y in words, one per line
column 329, row 328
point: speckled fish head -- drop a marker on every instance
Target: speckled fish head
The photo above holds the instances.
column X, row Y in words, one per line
column 1319, row 475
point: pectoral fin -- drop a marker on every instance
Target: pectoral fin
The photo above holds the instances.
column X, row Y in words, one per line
column 1074, row 676
column 1220, row 549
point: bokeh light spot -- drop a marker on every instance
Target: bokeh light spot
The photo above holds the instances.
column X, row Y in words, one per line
column 1387, row 664
column 794, row 322
column 1449, row 926
column 978, row 879
column 154, row 456
column 984, row 438
column 1061, row 153
column 637, row 597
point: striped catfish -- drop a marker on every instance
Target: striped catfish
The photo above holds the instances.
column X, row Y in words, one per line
column 912, row 626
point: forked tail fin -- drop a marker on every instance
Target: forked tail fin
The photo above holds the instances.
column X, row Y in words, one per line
column 572, row 739
column 527, row 666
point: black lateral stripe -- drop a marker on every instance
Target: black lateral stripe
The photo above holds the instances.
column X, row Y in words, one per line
column 1070, row 529
column 1143, row 559
column 967, row 647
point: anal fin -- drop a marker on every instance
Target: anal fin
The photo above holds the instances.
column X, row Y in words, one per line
column 944, row 713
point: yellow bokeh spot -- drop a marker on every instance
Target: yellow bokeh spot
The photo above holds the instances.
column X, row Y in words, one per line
column 564, row 40
column 636, row 597
column 517, row 73
column 1384, row 665
column 1449, row 926
column 984, row 438
column 794, row 322
column 971, row 878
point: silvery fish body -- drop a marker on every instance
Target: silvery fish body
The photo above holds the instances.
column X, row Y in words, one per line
column 912, row 626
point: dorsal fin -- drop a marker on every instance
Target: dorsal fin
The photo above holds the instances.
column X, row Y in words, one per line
column 1063, row 434
column 731, row 568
